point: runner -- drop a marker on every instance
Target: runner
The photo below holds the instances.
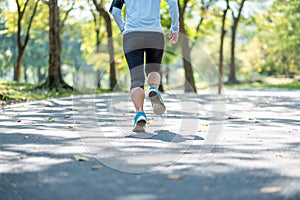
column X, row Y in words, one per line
column 143, row 39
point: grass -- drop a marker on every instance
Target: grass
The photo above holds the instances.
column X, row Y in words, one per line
column 14, row 92
column 293, row 85
column 20, row 92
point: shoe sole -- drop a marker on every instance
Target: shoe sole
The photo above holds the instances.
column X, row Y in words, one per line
column 140, row 126
column 158, row 106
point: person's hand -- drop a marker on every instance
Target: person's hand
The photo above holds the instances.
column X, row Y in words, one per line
column 173, row 37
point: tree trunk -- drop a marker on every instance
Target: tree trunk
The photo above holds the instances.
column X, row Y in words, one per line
column 39, row 74
column 189, row 85
column 97, row 24
column 25, row 74
column 17, row 71
column 22, row 45
column 223, row 32
column 108, row 24
column 287, row 66
column 232, row 74
column 111, row 51
column 54, row 79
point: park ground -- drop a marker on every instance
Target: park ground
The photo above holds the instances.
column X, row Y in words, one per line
column 243, row 145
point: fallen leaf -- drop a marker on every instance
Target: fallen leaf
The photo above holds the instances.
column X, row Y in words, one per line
column 148, row 123
column 204, row 124
column 70, row 126
column 50, row 119
column 96, row 167
column 47, row 105
column 66, row 116
column 23, row 156
column 81, row 158
column 174, row 177
column 257, row 121
column 77, row 122
column 185, row 152
column 232, row 117
column 269, row 190
column 221, row 163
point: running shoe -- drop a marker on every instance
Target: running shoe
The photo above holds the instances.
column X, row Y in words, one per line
column 140, row 120
column 156, row 101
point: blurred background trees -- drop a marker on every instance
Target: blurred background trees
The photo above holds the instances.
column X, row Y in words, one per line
column 259, row 39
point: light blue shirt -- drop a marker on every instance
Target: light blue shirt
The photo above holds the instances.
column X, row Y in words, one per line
column 144, row 15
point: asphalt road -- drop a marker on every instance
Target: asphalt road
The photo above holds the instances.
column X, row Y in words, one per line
column 244, row 145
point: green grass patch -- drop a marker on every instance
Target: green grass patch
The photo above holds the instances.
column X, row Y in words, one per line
column 293, row 86
column 14, row 92
column 20, row 92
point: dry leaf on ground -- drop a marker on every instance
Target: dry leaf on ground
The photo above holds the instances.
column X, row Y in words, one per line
column 174, row 177
column 96, row 167
column 81, row 158
column 67, row 116
column 270, row 189
column 50, row 119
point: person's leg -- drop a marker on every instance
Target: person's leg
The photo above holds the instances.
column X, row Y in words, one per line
column 152, row 69
column 154, row 56
column 137, row 96
column 153, row 64
column 135, row 60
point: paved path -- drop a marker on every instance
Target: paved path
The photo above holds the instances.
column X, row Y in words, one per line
column 83, row 148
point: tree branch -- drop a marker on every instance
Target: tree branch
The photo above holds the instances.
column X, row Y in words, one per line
column 25, row 5
column 240, row 9
column 18, row 6
column 204, row 8
column 30, row 23
column 67, row 14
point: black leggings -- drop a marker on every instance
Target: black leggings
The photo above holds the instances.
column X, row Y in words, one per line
column 138, row 46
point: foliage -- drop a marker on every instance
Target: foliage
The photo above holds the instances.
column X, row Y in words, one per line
column 267, row 43
column 275, row 46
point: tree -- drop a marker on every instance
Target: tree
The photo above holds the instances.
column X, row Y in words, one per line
column 97, row 20
column 223, row 32
column 279, row 34
column 189, row 85
column 204, row 9
column 8, row 46
column 54, row 79
column 106, row 16
column 22, row 44
column 236, row 19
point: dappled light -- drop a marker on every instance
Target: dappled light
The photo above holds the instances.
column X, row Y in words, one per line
column 149, row 99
